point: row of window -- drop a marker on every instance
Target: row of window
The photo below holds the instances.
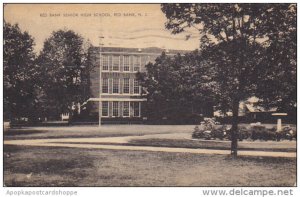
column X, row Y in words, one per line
column 116, row 82
column 127, row 109
column 115, row 62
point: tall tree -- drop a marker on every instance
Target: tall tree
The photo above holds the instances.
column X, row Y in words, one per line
column 277, row 84
column 63, row 64
column 238, row 33
column 178, row 87
column 19, row 73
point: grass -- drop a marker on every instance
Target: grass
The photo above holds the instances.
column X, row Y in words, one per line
column 53, row 166
column 93, row 131
column 207, row 144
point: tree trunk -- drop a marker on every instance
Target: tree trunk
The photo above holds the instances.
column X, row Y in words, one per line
column 234, row 129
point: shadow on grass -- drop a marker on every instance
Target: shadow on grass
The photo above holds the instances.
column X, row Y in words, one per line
column 57, row 166
column 24, row 135
column 182, row 143
column 25, row 165
column 14, row 132
column 261, row 160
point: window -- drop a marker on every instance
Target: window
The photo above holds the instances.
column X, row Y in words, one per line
column 105, row 85
column 115, row 108
column 126, row 63
column 115, row 63
column 126, row 86
column 136, row 61
column 148, row 60
column 104, row 108
column 126, row 108
column 115, row 86
column 105, row 63
column 136, row 87
column 136, row 109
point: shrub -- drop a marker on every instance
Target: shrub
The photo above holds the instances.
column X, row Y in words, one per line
column 243, row 133
column 260, row 132
column 286, row 133
column 208, row 127
column 218, row 133
column 256, row 132
column 221, row 132
column 209, row 124
column 197, row 133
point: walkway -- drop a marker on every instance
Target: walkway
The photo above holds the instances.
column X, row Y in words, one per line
column 117, row 143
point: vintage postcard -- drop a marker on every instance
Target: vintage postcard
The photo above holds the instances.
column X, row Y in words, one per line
column 98, row 95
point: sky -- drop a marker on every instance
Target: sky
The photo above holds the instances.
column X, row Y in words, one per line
column 121, row 25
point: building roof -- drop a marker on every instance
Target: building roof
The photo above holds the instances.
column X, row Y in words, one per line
column 256, row 108
column 154, row 50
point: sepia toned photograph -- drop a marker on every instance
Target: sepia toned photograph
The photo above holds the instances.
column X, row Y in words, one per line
column 150, row 95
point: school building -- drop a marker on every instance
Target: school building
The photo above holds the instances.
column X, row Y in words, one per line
column 113, row 81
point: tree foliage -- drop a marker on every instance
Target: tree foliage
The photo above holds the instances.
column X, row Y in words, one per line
column 63, row 63
column 251, row 46
column 177, row 87
column 278, row 81
column 242, row 27
column 19, row 73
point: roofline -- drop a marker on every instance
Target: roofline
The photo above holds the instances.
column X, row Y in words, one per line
column 146, row 50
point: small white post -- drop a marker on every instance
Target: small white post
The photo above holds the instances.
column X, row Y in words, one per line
column 279, row 123
column 78, row 106
column 279, row 126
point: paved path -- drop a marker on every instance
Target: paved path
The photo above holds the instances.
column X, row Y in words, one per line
column 117, row 141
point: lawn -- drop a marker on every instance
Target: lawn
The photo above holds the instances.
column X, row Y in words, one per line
column 103, row 131
column 93, row 131
column 53, row 166
column 283, row 146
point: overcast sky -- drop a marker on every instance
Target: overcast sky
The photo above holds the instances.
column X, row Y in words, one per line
column 115, row 22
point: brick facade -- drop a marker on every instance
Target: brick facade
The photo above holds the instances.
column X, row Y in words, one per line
column 114, row 69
